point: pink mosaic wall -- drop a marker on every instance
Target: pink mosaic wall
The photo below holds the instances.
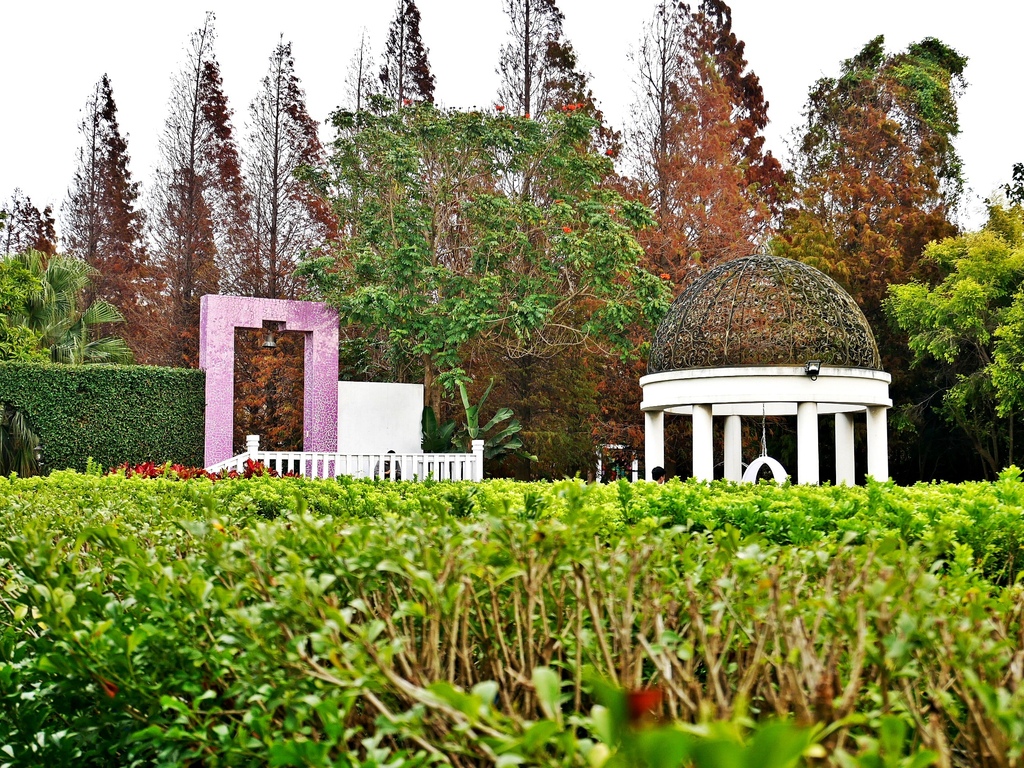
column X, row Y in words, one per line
column 220, row 316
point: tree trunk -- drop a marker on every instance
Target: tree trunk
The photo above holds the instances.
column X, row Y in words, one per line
column 431, row 387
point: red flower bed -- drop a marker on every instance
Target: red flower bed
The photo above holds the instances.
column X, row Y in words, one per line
column 181, row 472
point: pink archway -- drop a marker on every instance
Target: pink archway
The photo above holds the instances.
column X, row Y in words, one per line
column 220, row 316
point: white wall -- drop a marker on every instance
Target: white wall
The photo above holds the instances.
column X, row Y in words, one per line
column 377, row 418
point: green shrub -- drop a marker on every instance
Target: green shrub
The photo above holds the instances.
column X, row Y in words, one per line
column 112, row 413
column 352, row 622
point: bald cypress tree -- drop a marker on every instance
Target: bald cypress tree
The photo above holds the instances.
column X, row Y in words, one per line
column 198, row 203
column 25, row 227
column 286, row 216
column 103, row 224
column 359, row 79
column 695, row 143
column 287, row 219
column 712, row 30
column 405, row 70
column 538, row 66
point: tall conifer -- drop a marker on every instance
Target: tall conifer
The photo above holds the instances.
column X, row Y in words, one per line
column 360, row 80
column 103, row 224
column 287, row 219
column 25, row 227
column 198, row 199
column 537, row 65
column 286, row 216
column 405, row 70
column 695, row 146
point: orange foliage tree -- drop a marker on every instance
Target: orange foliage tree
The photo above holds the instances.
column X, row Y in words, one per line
column 103, row 225
column 197, row 199
column 23, row 227
column 877, row 175
column 285, row 220
column 695, row 146
column 695, row 155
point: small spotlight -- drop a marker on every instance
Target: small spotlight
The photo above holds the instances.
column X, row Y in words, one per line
column 812, row 369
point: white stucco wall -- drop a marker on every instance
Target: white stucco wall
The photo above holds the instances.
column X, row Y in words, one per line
column 376, row 418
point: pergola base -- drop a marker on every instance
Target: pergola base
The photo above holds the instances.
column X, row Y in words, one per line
column 704, row 393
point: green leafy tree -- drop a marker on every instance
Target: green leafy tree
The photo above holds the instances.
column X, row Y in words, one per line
column 441, row 248
column 54, row 312
column 1015, row 189
column 972, row 325
column 18, row 342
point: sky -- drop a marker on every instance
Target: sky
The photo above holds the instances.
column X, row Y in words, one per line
column 53, row 53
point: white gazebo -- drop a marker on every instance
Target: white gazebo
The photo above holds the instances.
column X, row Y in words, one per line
column 765, row 336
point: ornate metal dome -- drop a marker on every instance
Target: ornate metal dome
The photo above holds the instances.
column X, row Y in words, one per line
column 763, row 310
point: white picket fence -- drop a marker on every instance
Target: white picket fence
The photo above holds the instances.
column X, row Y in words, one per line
column 382, row 466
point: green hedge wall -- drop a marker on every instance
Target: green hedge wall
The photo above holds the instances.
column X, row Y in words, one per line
column 113, row 413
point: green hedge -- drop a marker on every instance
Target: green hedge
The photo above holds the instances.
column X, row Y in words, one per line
column 295, row 622
column 112, row 413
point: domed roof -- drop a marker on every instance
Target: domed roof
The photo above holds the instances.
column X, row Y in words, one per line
column 763, row 310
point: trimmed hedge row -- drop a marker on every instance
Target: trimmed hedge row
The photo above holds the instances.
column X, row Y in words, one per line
column 293, row 622
column 112, row 413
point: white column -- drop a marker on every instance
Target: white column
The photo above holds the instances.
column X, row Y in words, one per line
column 878, row 443
column 807, row 443
column 478, row 460
column 703, row 443
column 654, row 441
column 846, row 472
column 252, row 446
column 733, row 448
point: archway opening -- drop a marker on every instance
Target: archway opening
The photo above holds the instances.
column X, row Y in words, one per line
column 269, row 388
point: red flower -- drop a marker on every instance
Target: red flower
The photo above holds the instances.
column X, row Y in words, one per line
column 665, row 276
column 643, row 705
column 610, row 152
column 527, row 115
column 109, row 688
column 257, row 469
column 567, row 230
column 500, row 107
column 407, row 102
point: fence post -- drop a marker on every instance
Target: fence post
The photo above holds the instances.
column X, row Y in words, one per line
column 478, row 460
column 252, row 446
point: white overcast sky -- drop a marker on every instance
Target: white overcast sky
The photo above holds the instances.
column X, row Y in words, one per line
column 52, row 53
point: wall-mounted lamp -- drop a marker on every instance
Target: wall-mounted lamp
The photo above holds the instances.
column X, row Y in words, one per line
column 38, row 451
column 812, row 369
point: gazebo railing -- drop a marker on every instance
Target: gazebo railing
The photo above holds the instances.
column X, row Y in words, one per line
column 382, row 466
